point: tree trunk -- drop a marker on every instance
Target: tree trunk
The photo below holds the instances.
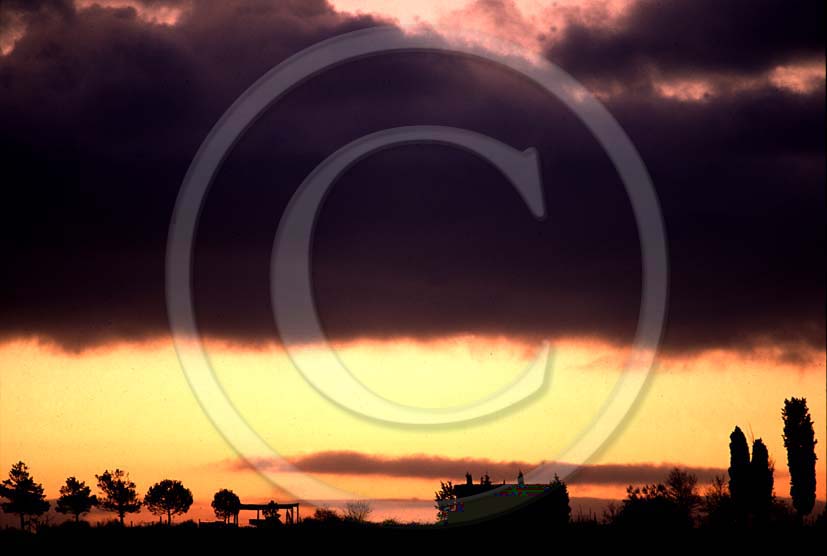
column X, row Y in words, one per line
column 169, row 517
column 22, row 522
column 120, row 515
column 77, row 518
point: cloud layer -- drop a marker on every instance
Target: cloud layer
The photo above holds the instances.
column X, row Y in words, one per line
column 443, row 468
column 692, row 38
column 103, row 109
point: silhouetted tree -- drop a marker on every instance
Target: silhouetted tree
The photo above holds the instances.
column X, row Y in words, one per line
column 761, row 481
column 682, row 489
column 558, row 503
column 25, row 497
column 118, row 493
column 225, row 504
column 272, row 517
column 358, row 511
column 485, row 480
column 445, row 493
column 649, row 506
column 611, row 513
column 717, row 504
column 821, row 521
column 739, row 470
column 326, row 515
column 168, row 497
column 750, row 483
column 75, row 498
column 661, row 505
column 323, row 517
column 800, row 442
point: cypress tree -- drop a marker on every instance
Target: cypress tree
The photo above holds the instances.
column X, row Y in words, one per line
column 761, row 481
column 739, row 470
column 800, row 442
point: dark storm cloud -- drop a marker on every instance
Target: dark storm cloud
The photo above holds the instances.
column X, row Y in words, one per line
column 102, row 113
column 438, row 467
column 691, row 37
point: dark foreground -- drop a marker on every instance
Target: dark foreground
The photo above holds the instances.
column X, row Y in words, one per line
column 513, row 538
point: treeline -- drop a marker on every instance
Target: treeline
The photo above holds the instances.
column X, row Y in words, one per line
column 118, row 494
column 745, row 499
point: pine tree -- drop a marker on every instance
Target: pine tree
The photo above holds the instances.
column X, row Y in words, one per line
column 75, row 498
column 168, row 498
column 25, row 497
column 119, row 493
column 225, row 504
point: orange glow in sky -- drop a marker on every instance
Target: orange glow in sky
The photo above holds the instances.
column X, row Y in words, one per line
column 130, row 406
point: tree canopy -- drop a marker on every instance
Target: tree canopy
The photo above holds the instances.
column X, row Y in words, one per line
column 559, row 507
column 800, row 442
column 739, row 469
column 25, row 496
column 358, row 510
column 225, row 504
column 168, row 497
column 663, row 505
column 761, row 479
column 446, row 493
column 682, row 490
column 75, row 498
column 119, row 494
column 750, row 479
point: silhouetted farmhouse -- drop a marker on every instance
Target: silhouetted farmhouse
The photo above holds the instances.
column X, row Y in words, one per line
column 484, row 499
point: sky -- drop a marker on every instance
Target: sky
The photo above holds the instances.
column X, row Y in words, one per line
column 432, row 281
